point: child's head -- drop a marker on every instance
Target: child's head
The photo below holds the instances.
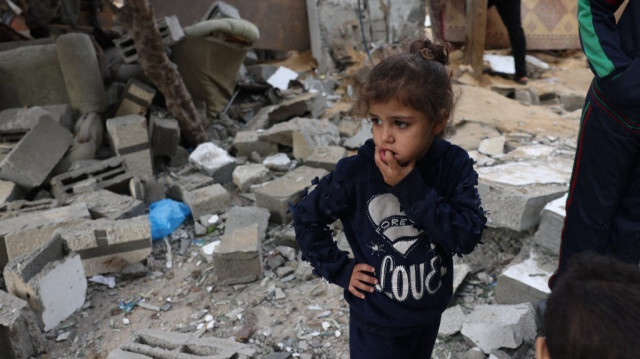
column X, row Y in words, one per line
column 594, row 311
column 417, row 79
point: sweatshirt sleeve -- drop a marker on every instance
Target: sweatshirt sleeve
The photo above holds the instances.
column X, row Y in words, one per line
column 327, row 202
column 455, row 222
column 601, row 41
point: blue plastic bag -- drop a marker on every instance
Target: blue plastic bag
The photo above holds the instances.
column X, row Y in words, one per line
column 165, row 216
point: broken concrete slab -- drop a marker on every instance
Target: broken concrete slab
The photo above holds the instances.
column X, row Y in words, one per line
column 214, row 161
column 306, row 104
column 21, row 120
column 500, row 326
column 208, row 200
column 247, row 142
column 357, row 140
column 129, row 138
column 460, row 272
column 20, row 335
column 243, row 176
column 111, row 174
column 38, row 277
column 277, row 162
column 525, row 281
column 551, row 223
column 311, row 135
column 165, row 136
column 181, row 185
column 493, row 146
column 27, row 232
column 238, row 257
column 240, row 217
column 107, row 246
column 325, row 157
column 451, row 322
column 49, row 140
column 514, row 193
column 9, row 191
column 469, row 134
column 171, row 345
column 529, row 152
column 106, row 204
column 320, row 132
column 275, row 195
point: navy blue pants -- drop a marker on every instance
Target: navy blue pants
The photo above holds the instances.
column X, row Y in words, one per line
column 364, row 344
column 509, row 11
column 603, row 206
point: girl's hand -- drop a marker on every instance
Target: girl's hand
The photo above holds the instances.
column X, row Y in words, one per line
column 392, row 172
column 361, row 280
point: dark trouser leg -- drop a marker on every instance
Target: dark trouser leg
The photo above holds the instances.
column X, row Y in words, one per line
column 624, row 241
column 509, row 11
column 605, row 159
column 366, row 345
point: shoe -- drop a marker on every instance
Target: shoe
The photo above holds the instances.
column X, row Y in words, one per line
column 541, row 307
column 522, row 80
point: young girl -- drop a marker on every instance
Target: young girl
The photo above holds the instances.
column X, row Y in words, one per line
column 407, row 202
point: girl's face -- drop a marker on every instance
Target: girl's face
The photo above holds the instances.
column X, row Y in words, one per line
column 401, row 131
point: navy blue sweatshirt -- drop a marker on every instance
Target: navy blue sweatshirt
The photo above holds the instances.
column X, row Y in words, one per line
column 407, row 232
column 612, row 49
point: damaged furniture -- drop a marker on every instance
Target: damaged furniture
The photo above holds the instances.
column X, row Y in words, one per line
column 210, row 56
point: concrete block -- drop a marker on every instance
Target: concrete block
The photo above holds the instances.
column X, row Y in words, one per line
column 525, row 282
column 320, row 132
column 238, row 257
column 180, row 187
column 247, row 142
column 37, row 153
column 20, row 335
column 136, row 98
column 451, row 322
column 107, row 246
column 572, row 102
column 278, row 162
column 325, row 157
column 550, row 230
column 129, row 138
column 170, row 31
column 245, row 176
column 240, row 217
column 106, row 204
column 515, row 193
column 9, row 191
column 19, row 207
column 500, row 326
column 208, row 200
column 311, row 104
column 165, row 136
column 276, row 195
column 20, row 120
column 111, row 174
column 50, row 279
column 29, row 231
column 170, row 345
column 214, row 161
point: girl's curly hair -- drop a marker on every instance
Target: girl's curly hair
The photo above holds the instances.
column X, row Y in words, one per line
column 417, row 78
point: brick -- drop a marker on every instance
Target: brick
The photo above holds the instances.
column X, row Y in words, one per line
column 50, row 279
column 20, row 335
column 214, row 161
column 208, row 200
column 111, row 174
column 171, row 345
column 165, row 136
column 247, row 175
column 500, row 326
column 107, row 246
column 129, row 138
column 9, row 191
column 136, row 98
column 238, row 257
column 25, row 233
column 247, row 142
column 526, row 280
column 106, row 204
column 325, row 157
column 275, row 195
column 49, row 141
column 551, row 223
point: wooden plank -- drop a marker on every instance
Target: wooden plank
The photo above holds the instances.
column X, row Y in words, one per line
column 476, row 28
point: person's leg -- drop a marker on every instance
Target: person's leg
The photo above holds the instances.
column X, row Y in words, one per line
column 624, row 242
column 509, row 11
column 605, row 156
column 366, row 345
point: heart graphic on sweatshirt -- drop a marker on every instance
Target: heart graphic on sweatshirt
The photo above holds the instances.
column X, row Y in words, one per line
column 392, row 223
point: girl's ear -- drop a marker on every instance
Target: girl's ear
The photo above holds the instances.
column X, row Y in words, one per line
column 444, row 118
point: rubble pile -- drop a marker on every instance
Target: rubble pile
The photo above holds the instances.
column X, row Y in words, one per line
column 90, row 152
